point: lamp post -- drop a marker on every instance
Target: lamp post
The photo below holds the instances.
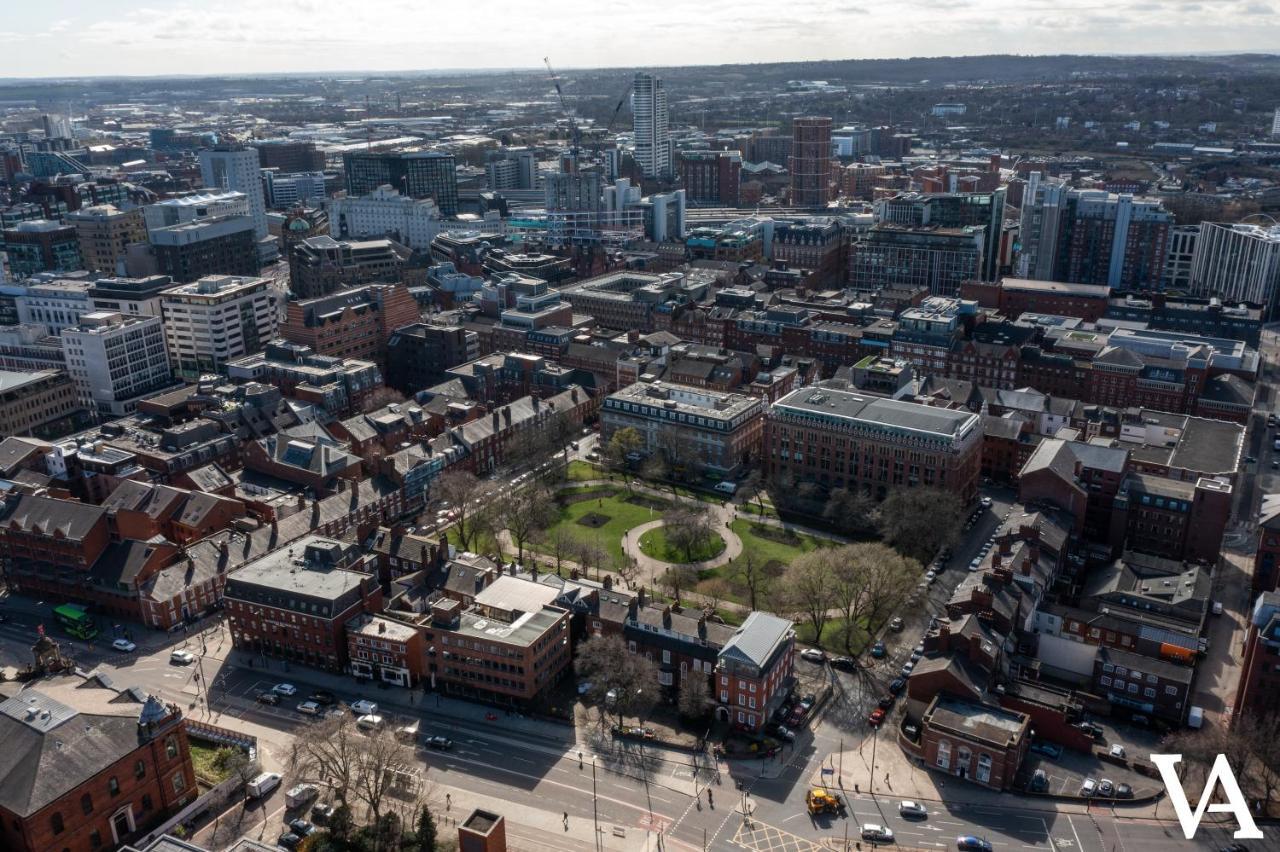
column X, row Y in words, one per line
column 871, row 778
column 595, row 811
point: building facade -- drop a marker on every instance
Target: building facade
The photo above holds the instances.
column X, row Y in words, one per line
column 417, row 174
column 651, row 125
column 115, row 361
column 104, row 232
column 215, row 320
column 811, row 161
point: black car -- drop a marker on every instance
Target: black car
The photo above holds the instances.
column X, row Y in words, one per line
column 442, row 743
column 301, row 827
column 323, row 697
column 886, row 702
column 268, row 698
column 1092, row 729
column 844, row 664
column 321, row 813
column 895, row 685
column 289, row 840
column 1124, row 791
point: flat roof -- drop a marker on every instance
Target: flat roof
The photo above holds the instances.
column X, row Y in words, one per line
column 835, row 404
column 1097, row 291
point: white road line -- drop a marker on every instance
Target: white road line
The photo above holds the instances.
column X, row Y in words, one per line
column 1071, row 823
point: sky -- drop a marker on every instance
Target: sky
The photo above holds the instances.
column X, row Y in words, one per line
column 61, row 38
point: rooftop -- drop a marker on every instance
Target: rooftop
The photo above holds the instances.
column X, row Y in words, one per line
column 832, row 405
column 976, row 721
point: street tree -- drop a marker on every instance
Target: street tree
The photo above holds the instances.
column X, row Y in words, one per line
column 868, row 581
column 808, row 581
column 751, row 571
column 524, row 513
column 694, row 696
column 918, row 522
column 560, row 544
column 387, row 763
column 589, row 554
column 425, row 834
column 753, row 487
column 622, row 683
column 468, row 495
column 330, row 756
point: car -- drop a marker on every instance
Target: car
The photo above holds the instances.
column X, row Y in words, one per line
column 323, row 697
column 585, row 687
column 876, row 717
column 1093, row 729
column 846, row 664
column 969, row 843
column 308, row 708
column 912, row 810
column 1106, row 787
column 182, row 658
column 814, row 655
column 322, row 812
column 1048, row 749
column 268, row 698
column 1039, row 781
column 364, row 707
column 1250, row 459
column 369, row 722
column 288, row 840
column 1088, row 788
column 895, row 685
column 796, row 717
column 886, row 701
column 986, row 501
column 286, row 689
column 915, row 656
column 782, row 732
column 301, row 827
column 1124, row 791
column 878, row 650
column 877, row 833
column 1140, row 720
column 930, row 576
column 976, row 563
column 808, row 701
column 905, row 671
column 439, row 742
column 1117, row 751
column 124, row 645
column 896, row 624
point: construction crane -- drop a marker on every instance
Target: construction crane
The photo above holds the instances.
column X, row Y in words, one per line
column 575, row 134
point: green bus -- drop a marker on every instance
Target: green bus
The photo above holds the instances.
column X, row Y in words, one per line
column 75, row 621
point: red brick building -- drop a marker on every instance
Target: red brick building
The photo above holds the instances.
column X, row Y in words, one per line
column 711, row 178
column 1266, row 562
column 754, row 671
column 87, row 767
column 1259, row 692
column 140, row 511
column 355, row 323
column 981, row 743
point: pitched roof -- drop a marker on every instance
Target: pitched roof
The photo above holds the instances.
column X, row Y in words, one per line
column 757, row 639
column 71, row 517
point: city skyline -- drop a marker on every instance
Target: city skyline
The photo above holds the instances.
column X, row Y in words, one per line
column 128, row 38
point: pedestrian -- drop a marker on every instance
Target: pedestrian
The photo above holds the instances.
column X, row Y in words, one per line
column 448, row 801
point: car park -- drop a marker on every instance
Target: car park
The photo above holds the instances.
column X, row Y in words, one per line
column 912, row 810
column 182, row 658
column 124, row 645
column 285, row 689
column 309, row 708
column 439, row 743
column 364, row 707
column 813, row 655
column 877, row 833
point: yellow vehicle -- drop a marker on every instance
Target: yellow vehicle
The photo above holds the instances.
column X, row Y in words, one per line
column 822, row 802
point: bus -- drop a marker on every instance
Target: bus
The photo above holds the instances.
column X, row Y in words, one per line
column 75, row 621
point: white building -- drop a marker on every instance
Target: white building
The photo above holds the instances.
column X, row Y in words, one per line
column 651, row 125
column 1238, row 263
column 1275, row 123
column 217, row 319
column 56, row 304
column 116, row 360
column 237, row 167
column 287, row 190
column 201, row 205
column 413, row 222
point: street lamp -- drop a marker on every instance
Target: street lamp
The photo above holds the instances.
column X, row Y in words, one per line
column 871, row 780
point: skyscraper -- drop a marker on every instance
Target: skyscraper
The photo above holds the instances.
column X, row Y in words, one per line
column 811, row 161
column 1238, row 262
column 651, row 125
column 236, row 167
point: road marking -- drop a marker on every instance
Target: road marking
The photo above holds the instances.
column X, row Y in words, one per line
column 1074, row 833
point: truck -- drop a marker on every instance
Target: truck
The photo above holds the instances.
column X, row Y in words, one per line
column 820, row 801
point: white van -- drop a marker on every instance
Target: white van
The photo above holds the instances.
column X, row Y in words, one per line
column 300, row 795
column 727, row 487
column 263, row 784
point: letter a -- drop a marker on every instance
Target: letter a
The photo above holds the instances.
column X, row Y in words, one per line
column 1220, row 774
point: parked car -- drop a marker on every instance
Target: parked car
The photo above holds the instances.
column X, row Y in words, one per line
column 781, row 732
column 1088, row 788
column 796, row 717
column 976, row 563
column 182, row 658
column 286, row 689
column 288, row 840
column 896, row 624
column 1039, row 781
column 878, row 650
column 1106, row 787
column 309, row 708
column 439, row 742
column 1046, row 748
column 876, row 717
column 912, row 810
column 905, row 671
column 986, row 501
column 124, row 645
column 585, row 687
column 268, row 698
column 299, row 795
column 369, row 722
column 814, row 655
column 969, row 843
column 322, row 812
column 895, row 685
column 301, row 827
column 1124, row 791
column 364, row 707
column 808, row 701
column 877, row 833
column 323, row 697
column 930, row 576
column 263, row 784
column 1117, row 751
column 886, row 702
column 846, row 664
column 1091, row 728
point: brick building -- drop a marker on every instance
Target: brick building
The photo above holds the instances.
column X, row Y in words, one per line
column 976, row 742
column 87, row 766
column 355, row 323
column 711, row 178
column 1258, row 694
column 323, row 265
column 37, row 403
column 754, row 671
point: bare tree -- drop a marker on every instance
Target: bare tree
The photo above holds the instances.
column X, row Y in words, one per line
column 809, row 580
column 849, row 512
column 589, row 554
column 918, row 522
column 330, row 756
column 694, row 697
column 677, row 580
column 621, row 682
column 381, row 398
column 385, row 764
column 751, row 571
column 524, row 513
column 468, row 496
column 683, row 454
column 868, row 580
column 688, row 529
column 714, row 592
column 656, row 470
column 560, row 544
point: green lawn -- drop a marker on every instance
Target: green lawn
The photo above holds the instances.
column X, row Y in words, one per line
column 204, row 758
column 833, row 636
column 654, row 543
column 772, row 545
column 611, row 513
column 581, row 471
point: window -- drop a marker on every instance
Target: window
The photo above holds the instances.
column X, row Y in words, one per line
column 140, row 770
column 55, row 823
column 1104, row 680
column 171, row 747
column 95, row 839
column 1133, row 688
column 113, row 785
column 984, row 768
column 1149, row 692
column 944, row 754
column 86, row 803
column 146, row 802
column 179, row 783
column 724, row 696
column 1171, row 690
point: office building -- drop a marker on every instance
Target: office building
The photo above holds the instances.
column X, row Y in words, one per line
column 810, row 161
column 209, row 204
column 237, row 168
column 54, row 303
column 41, row 245
column 355, row 323
column 711, row 178
column 511, row 168
column 104, row 232
column 1238, row 263
column 222, row 246
column 384, row 212
column 215, row 320
column 418, row 355
column 907, row 256
column 651, row 125
column 115, row 361
column 1275, row 123
column 40, row 404
column 417, row 174
column 1179, row 257
column 841, row 439
column 288, row 156
column 1092, row 236
column 284, row 190
column 322, row 265
column 129, row 296
column 720, row 430
column 952, row 210
column 89, row 765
